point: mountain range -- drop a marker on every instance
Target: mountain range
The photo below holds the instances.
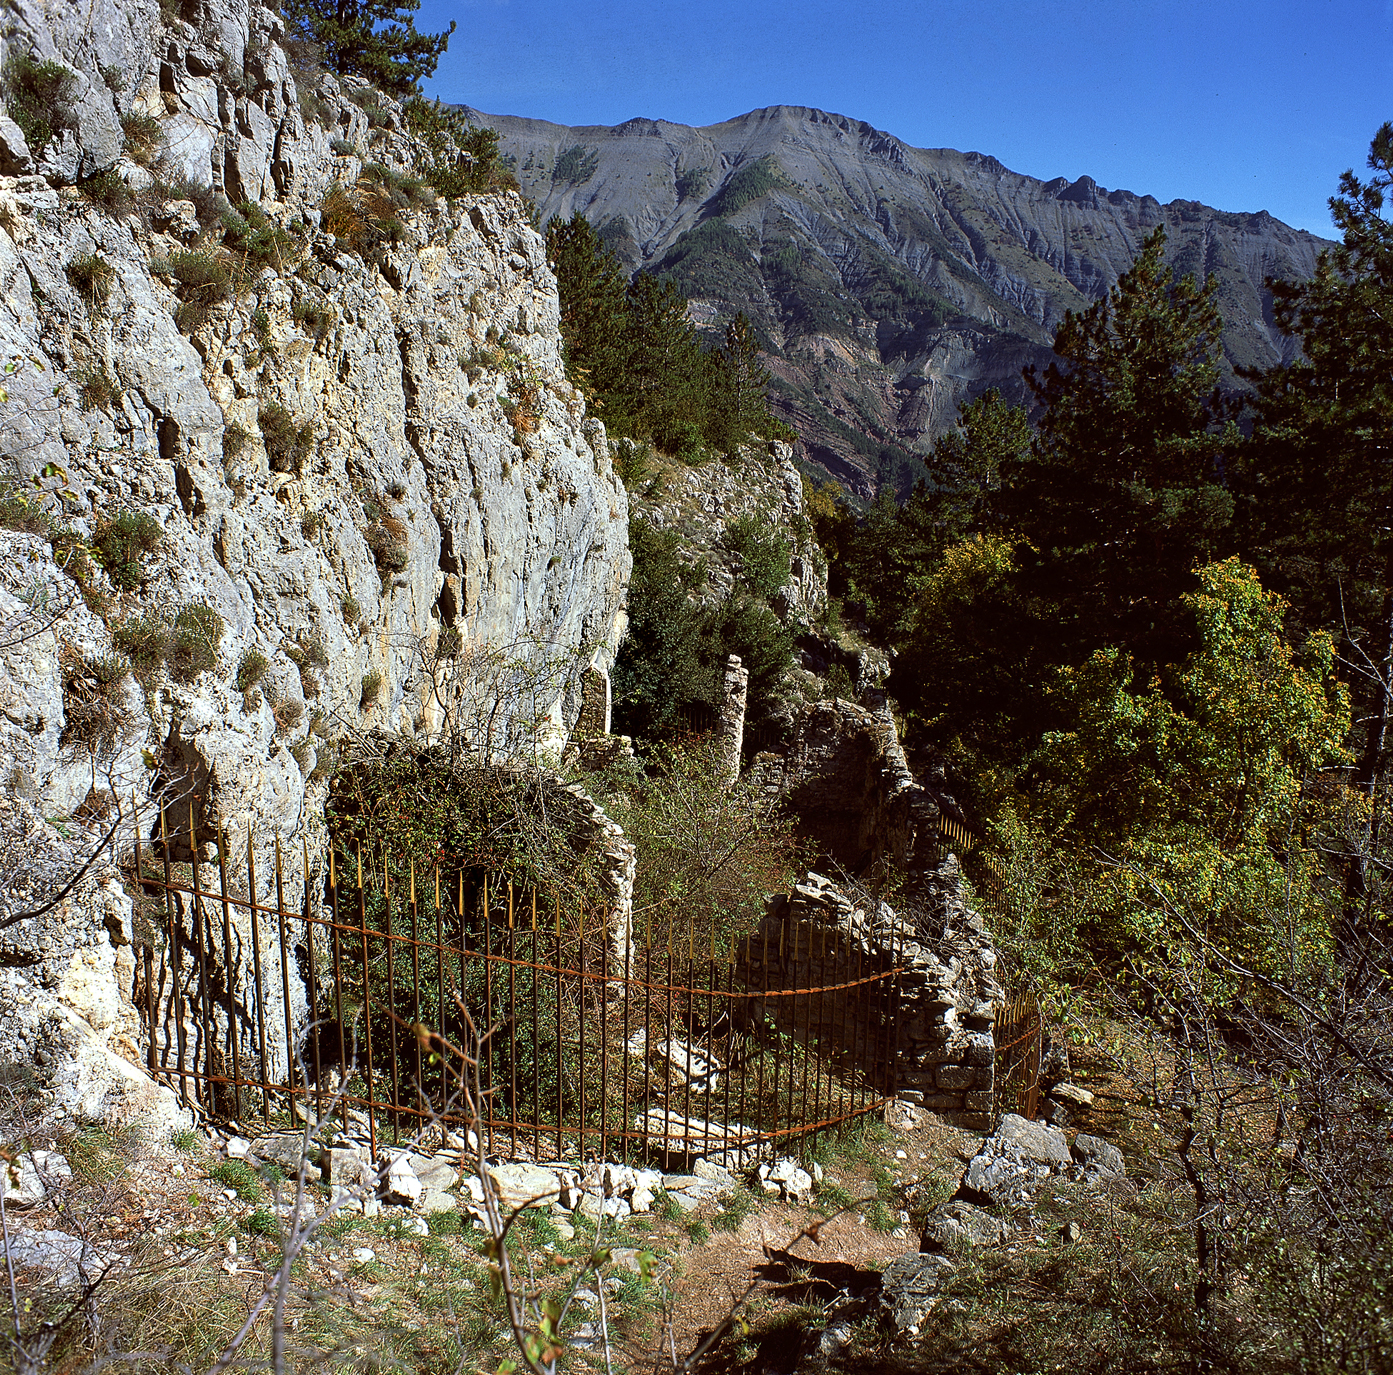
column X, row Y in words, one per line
column 888, row 283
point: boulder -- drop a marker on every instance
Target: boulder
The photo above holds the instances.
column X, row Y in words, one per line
column 909, row 1290
column 33, row 1177
column 959, row 1222
column 1013, row 1162
column 525, row 1186
column 1098, row 1157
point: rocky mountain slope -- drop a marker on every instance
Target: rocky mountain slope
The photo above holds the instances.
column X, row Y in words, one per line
column 268, row 476
column 888, row 282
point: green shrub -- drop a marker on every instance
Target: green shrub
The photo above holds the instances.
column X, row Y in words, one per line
column 194, row 641
column 108, row 191
column 372, row 689
column 121, row 542
column 202, row 280
column 234, row 441
column 145, row 140
column 311, row 523
column 144, row 640
column 251, row 669
column 249, row 231
column 341, row 147
column 348, row 604
column 91, row 277
column 115, row 79
column 173, row 185
column 97, row 389
column 287, row 445
column 39, row 97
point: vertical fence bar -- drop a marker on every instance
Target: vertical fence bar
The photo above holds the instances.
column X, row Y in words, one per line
column 710, row 1022
column 227, row 974
column 367, row 1007
column 667, row 1037
column 560, row 1057
column 536, row 1043
column 205, row 1011
column 285, row 985
column 779, row 1004
column 809, row 1035
column 512, row 1029
column 260, row 982
column 750, row 1020
column 176, row 983
column 440, row 989
column 489, row 1022
column 580, row 1002
column 480, row 1047
column 690, row 981
column 228, row 967
column 731, row 1054
column 313, row 990
column 152, row 1055
column 624, row 1140
column 603, row 990
column 764, row 1004
column 391, row 999
column 338, row 992
column 647, row 1004
column 416, row 982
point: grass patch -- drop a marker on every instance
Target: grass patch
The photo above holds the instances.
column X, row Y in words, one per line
column 145, row 139
column 97, row 390
column 91, row 277
column 201, row 279
column 94, row 705
column 238, row 1175
column 144, row 640
column 371, row 692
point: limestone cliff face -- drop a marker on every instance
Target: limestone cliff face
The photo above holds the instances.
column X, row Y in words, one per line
column 421, row 535
column 511, row 539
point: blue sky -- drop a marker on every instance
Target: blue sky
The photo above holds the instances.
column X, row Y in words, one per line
column 1242, row 104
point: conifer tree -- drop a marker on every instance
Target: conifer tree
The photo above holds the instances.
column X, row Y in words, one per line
column 374, row 39
column 1121, row 496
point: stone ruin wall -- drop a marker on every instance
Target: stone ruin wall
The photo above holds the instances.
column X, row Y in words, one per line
column 846, row 777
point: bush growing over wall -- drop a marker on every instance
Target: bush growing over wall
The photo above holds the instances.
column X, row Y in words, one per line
column 121, row 543
column 287, row 444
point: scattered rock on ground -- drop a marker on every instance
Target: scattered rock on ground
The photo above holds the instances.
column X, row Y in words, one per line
column 909, row 1289
column 960, row 1221
column 1098, row 1157
column 33, row 1177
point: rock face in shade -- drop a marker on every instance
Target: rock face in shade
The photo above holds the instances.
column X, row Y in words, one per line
column 416, row 547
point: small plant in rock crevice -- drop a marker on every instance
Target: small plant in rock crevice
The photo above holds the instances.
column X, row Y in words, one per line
column 97, row 390
column 145, row 139
column 121, row 543
column 194, row 641
column 251, row 669
column 91, row 277
column 287, row 444
column 371, row 692
column 94, row 709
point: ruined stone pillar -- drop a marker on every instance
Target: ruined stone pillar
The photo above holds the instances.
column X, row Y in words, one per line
column 731, row 732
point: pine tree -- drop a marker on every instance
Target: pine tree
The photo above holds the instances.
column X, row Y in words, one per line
column 594, row 310
column 1121, row 496
column 374, row 39
column 1318, row 474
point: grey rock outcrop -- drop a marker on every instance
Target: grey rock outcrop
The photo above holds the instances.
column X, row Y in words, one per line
column 419, row 552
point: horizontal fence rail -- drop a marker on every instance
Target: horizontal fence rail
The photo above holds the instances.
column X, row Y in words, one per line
column 354, row 1001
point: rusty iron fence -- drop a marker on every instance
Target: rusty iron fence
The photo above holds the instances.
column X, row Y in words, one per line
column 1019, row 1044
column 351, row 997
